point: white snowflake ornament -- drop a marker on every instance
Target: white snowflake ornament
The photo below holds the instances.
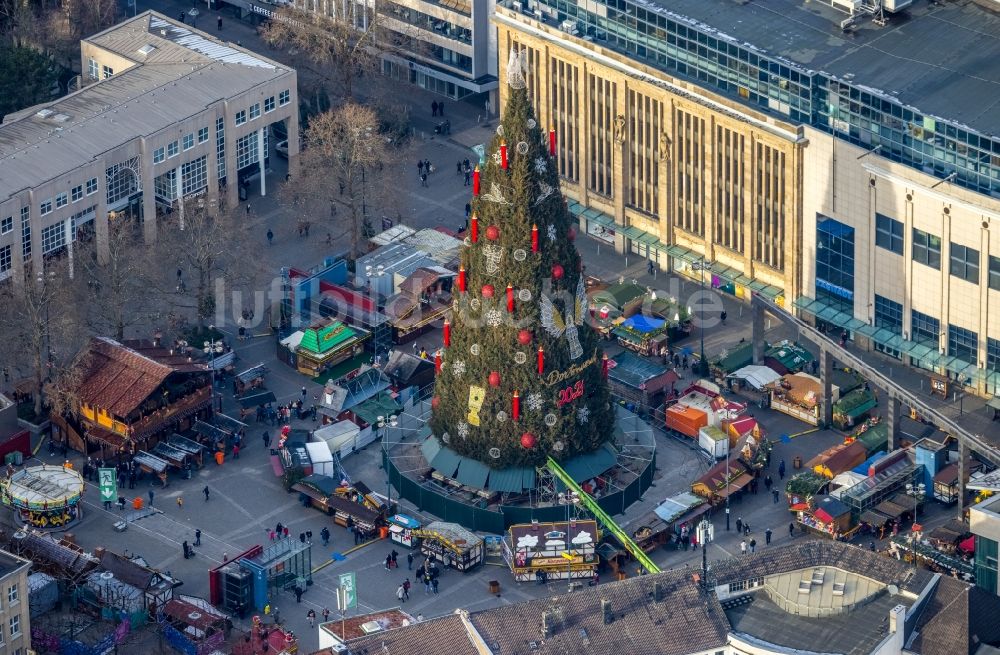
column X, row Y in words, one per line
column 458, row 367
column 583, row 415
column 497, row 158
column 551, row 232
column 558, row 446
column 463, row 429
column 494, row 318
column 534, row 401
column 531, row 123
column 541, row 165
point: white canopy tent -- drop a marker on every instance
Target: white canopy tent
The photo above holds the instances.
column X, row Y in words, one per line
column 757, row 377
column 322, row 459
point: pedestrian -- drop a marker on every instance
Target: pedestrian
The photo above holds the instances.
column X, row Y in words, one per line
column 739, row 525
column 649, row 267
column 324, row 534
column 284, row 532
column 768, row 481
column 180, row 502
column 270, row 235
column 871, row 545
column 267, row 439
column 434, row 584
column 219, row 23
column 393, row 555
column 406, row 588
column 423, row 179
column 746, row 529
column 774, row 492
column 468, row 209
column 468, row 177
column 326, row 614
column 187, row 550
column 434, row 108
column 278, row 528
column 303, row 393
column 121, row 503
column 781, row 470
column 388, row 562
column 767, row 537
column 401, row 594
column 420, row 167
column 311, row 616
column 409, row 561
column 248, row 209
column 271, row 534
column 298, row 594
column 236, row 451
column 427, row 584
column 753, row 546
column 151, row 495
column 791, row 530
column 743, row 547
column 206, row 492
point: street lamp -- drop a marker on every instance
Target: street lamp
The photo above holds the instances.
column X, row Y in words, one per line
column 213, row 347
column 569, row 499
column 383, row 423
column 915, row 490
column 727, row 484
column 700, row 266
column 376, row 272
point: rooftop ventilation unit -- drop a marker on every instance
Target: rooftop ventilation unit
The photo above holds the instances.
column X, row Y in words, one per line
column 44, row 113
column 568, row 26
column 60, row 118
column 146, row 49
column 371, row 627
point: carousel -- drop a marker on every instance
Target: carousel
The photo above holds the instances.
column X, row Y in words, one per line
column 45, row 497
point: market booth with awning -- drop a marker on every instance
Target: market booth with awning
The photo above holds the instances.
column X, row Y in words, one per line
column 326, row 344
column 721, row 481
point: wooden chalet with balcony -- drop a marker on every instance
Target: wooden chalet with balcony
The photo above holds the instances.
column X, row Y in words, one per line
column 131, row 395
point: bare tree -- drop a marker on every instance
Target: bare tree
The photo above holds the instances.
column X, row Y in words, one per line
column 341, row 169
column 215, row 250
column 349, row 43
column 40, row 321
column 118, row 290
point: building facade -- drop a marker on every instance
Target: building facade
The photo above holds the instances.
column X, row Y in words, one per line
column 15, row 627
column 984, row 522
column 702, row 136
column 168, row 113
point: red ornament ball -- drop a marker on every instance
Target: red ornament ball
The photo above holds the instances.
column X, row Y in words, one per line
column 524, row 337
column 435, row 402
column 493, row 233
column 557, row 271
column 488, row 291
column 528, row 440
column 571, row 234
column 494, row 379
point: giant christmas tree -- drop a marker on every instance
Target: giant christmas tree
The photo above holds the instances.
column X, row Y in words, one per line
column 522, row 376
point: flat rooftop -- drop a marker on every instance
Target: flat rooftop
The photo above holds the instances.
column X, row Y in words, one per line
column 942, row 59
column 178, row 74
column 10, row 563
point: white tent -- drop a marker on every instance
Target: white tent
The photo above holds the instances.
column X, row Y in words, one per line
column 845, row 481
column 757, row 377
column 342, row 437
column 293, row 340
column 322, row 458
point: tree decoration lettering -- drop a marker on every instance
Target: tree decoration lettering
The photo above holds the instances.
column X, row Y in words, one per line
column 569, row 394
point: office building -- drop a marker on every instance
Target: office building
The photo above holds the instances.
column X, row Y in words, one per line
column 984, row 522
column 15, row 627
column 737, row 131
column 167, row 112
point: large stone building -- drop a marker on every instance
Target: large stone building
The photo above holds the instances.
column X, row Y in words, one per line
column 168, row 112
column 445, row 46
column 755, row 136
column 15, row 627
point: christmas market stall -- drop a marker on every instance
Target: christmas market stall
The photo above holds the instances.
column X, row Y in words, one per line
column 798, row 395
column 787, row 357
column 401, row 527
column 958, row 562
column 625, row 298
column 424, row 297
column 251, row 379
column 668, row 520
column 548, row 551
column 44, row 496
column 193, row 625
column 327, row 495
column 802, row 487
column 731, row 360
column 642, row 334
column 451, row 544
column 642, row 382
column 853, row 407
column 827, row 517
column 837, row 459
column 722, row 480
column 325, row 344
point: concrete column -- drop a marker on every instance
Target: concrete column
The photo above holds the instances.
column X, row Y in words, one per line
column 35, row 220
column 620, row 139
column 963, row 475
column 895, row 409
column 148, row 200
column 68, row 224
column 179, row 192
column 757, row 330
column 826, row 386
column 212, row 162
column 232, row 177
column 293, row 139
column 945, row 281
column 708, row 208
column 907, row 269
column 585, row 156
column 260, row 161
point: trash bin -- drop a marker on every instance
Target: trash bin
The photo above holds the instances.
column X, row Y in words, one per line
column 494, row 586
column 383, row 532
column 797, row 461
column 137, row 503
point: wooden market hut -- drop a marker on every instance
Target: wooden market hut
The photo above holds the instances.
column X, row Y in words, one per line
column 131, row 395
column 624, row 297
column 718, row 483
column 642, row 381
column 326, row 344
column 424, row 297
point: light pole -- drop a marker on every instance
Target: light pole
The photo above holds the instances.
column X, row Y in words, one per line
column 727, row 483
column 569, row 499
column 213, row 347
column 700, row 266
column 915, row 490
column 376, row 272
column 383, row 424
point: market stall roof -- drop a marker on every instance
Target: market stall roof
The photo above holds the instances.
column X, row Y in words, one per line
column 756, row 376
column 228, row 423
column 455, row 533
column 736, row 358
column 789, row 354
column 874, row 518
column 209, row 430
column 404, row 367
column 507, row 480
column 677, row 506
column 293, row 340
column 831, row 506
column 257, row 399
column 634, row 371
column 855, row 403
column 256, row 371
column 423, row 278
column 322, row 339
column 323, row 484
column 891, row 509
column 619, row 295
column 364, row 385
column 381, row 405
column 644, row 324
column 201, row 618
column 591, row 465
column 473, row 473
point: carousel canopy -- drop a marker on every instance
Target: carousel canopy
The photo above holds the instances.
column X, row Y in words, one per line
column 37, row 487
